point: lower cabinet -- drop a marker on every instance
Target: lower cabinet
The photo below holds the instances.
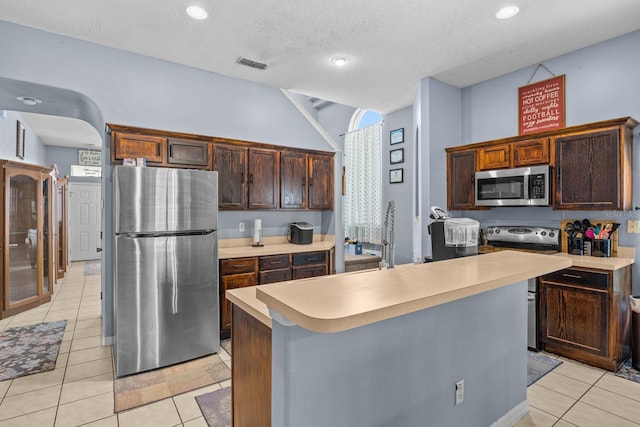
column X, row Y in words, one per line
column 585, row 316
column 242, row 272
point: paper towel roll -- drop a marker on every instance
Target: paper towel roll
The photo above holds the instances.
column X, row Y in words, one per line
column 257, row 231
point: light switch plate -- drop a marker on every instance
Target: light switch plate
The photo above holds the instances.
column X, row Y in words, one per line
column 633, row 226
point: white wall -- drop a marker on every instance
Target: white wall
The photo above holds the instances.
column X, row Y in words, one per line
column 34, row 150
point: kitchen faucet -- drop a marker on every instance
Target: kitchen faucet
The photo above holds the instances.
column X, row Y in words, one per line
column 388, row 246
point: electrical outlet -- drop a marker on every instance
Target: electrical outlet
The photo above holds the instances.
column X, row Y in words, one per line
column 633, row 226
column 459, row 392
column 241, row 227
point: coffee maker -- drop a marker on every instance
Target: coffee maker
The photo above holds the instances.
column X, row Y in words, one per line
column 452, row 237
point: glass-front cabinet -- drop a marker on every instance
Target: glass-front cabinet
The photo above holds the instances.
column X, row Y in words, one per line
column 26, row 248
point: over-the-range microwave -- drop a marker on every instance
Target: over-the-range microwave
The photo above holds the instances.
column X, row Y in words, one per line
column 514, row 187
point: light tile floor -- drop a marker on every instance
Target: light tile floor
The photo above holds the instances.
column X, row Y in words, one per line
column 80, row 390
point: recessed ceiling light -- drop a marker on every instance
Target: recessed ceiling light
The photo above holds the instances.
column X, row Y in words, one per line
column 340, row 60
column 27, row 100
column 507, row 12
column 196, row 12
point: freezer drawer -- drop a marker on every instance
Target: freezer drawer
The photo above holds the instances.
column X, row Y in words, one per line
column 166, row 300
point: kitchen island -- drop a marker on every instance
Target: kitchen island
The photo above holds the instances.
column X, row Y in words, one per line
column 387, row 347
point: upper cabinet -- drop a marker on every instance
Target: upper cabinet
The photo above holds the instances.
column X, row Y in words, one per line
column 461, row 171
column 593, row 170
column 231, row 164
column 250, row 175
column 591, row 164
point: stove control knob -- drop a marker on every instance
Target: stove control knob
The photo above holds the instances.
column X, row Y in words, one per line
column 497, row 231
column 552, row 234
column 491, row 231
column 544, row 233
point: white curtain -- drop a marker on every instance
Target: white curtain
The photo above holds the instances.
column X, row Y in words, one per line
column 362, row 205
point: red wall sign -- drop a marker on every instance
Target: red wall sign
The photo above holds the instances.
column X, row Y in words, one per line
column 541, row 106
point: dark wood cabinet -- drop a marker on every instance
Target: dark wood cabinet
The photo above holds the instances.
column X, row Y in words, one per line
column 461, row 171
column 234, row 273
column 530, row 152
column 310, row 264
column 274, row 268
column 188, row 153
column 126, row 145
column 264, row 182
column 591, row 171
column 320, row 181
column 494, row 157
column 231, row 164
column 293, row 180
column 584, row 315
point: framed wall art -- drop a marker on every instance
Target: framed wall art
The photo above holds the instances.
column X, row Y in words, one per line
column 396, row 176
column 397, row 136
column 20, row 136
column 396, row 156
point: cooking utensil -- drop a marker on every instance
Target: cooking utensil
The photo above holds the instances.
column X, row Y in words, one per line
column 577, row 225
column 589, row 234
column 585, row 224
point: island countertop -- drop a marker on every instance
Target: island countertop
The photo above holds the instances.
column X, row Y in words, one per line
column 340, row 302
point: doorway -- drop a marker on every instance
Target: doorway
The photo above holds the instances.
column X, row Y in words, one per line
column 85, row 241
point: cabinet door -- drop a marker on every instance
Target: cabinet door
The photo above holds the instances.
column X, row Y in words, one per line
column 320, row 182
column 494, row 157
column 231, row 164
column 152, row 148
column 531, row 152
column 461, row 167
column 232, row 282
column 263, row 179
column 588, row 173
column 188, row 153
column 293, row 180
column 575, row 318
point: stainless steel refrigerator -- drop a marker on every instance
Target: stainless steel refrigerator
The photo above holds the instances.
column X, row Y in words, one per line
column 165, row 266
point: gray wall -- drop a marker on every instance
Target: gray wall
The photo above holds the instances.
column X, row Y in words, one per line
column 401, row 194
column 601, row 84
column 402, row 371
column 34, row 150
column 135, row 90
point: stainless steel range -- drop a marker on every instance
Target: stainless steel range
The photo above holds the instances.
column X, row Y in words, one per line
column 531, row 239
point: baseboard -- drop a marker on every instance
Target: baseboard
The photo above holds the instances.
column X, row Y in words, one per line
column 513, row 416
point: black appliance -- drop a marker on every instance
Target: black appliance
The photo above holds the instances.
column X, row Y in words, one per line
column 452, row 237
column 301, row 233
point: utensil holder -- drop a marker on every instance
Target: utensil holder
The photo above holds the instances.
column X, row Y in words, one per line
column 601, row 248
column 575, row 246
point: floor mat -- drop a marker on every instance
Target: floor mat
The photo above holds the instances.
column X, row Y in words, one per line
column 26, row 350
column 216, row 407
column 539, row 365
column 628, row 372
column 137, row 390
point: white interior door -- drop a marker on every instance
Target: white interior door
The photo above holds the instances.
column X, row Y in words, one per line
column 84, row 229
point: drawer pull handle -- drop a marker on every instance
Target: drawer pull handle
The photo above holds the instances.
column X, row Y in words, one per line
column 573, row 276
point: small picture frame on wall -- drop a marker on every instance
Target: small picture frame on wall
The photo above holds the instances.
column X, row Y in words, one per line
column 397, row 136
column 20, row 136
column 396, row 176
column 396, row 156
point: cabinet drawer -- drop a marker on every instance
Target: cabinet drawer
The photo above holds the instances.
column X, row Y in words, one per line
column 274, row 276
column 275, row 262
column 307, row 258
column 238, row 281
column 310, row 271
column 238, row 265
column 579, row 277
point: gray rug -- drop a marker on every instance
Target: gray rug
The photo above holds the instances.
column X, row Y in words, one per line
column 628, row 372
column 539, row 365
column 26, row 350
column 216, row 407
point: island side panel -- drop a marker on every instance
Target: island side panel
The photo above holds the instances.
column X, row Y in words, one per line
column 251, row 370
column 402, row 371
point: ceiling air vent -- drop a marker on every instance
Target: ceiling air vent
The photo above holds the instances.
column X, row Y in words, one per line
column 251, row 63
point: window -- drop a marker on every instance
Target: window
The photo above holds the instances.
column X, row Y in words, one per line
column 363, row 178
